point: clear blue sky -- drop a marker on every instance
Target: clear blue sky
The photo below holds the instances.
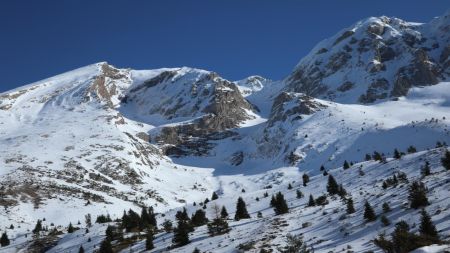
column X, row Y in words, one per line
column 235, row 38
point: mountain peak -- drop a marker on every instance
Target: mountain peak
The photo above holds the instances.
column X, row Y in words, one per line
column 375, row 59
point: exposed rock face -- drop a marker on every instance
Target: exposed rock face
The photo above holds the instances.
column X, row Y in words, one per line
column 421, row 72
column 288, row 109
column 377, row 90
column 289, row 104
column 216, row 105
column 382, row 57
column 106, row 85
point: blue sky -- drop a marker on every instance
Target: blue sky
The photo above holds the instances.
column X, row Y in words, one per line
column 235, row 38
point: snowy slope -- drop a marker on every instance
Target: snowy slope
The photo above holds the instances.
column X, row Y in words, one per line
column 101, row 140
column 323, row 227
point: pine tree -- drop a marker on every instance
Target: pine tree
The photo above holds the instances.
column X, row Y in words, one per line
column 81, row 250
column 425, row 171
column 368, row 157
column 183, row 216
column 377, row 156
column 103, row 218
column 70, row 229
column 401, row 238
column 241, row 210
column 199, row 218
column 152, row 218
column 196, row 250
column 295, row 244
column 446, row 160
column 219, row 225
column 289, row 187
column 144, row 221
column 427, row 229
column 305, row 178
column 181, row 234
column 4, row 240
column 412, row 149
column 280, row 206
column 259, row 214
column 110, row 232
column 397, row 154
column 149, row 240
column 346, row 165
column 418, row 195
column 167, row 225
column 322, row 168
column 214, row 196
column 386, row 207
column 38, row 227
column 224, row 213
column 332, row 186
column 131, row 220
column 385, row 220
column 106, row 247
column 384, row 243
column 273, row 201
column 369, row 213
column 341, row 191
column 299, row 194
column 311, row 201
column 350, row 207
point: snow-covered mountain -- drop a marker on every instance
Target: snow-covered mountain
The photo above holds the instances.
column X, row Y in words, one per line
column 100, row 139
column 375, row 59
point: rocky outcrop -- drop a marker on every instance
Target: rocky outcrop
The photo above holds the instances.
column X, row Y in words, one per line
column 377, row 90
column 401, row 54
column 104, row 86
column 216, row 105
column 422, row 72
column 287, row 105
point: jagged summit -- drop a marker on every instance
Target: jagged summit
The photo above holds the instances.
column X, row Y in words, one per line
column 375, row 59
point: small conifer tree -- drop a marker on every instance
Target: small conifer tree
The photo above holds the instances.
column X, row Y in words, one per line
column 369, row 213
column 446, row 160
column 332, row 186
column 386, row 207
column 426, row 171
column 350, row 207
column 224, row 213
column 299, row 194
column 418, row 195
column 106, row 247
column 346, row 165
column 241, row 210
column 311, row 201
column 427, row 229
column 305, row 178
column 280, row 205
column 4, row 240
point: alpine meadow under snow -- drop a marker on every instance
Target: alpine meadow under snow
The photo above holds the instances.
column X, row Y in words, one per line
column 346, row 154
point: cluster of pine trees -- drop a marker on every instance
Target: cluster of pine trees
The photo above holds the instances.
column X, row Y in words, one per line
column 402, row 240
